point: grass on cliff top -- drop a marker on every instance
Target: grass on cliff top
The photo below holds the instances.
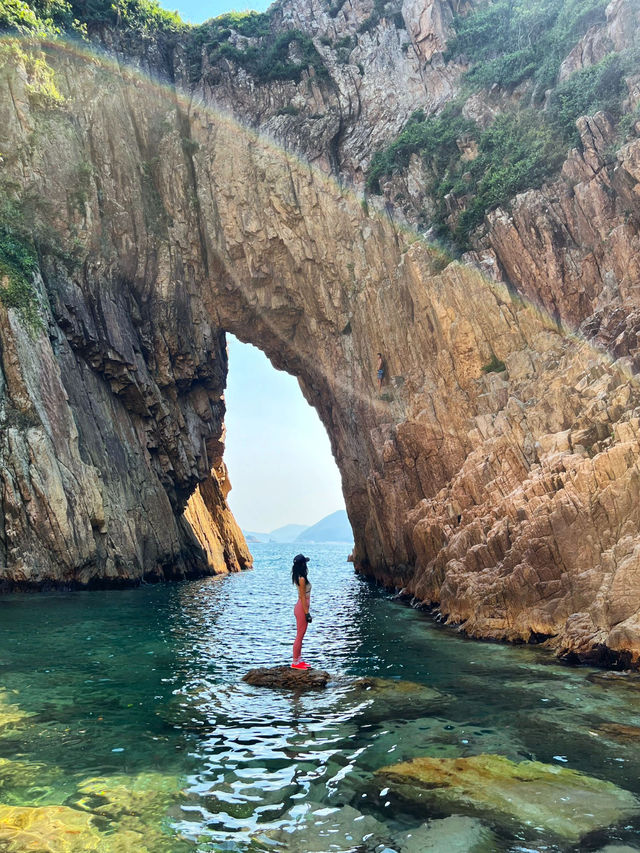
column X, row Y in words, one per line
column 54, row 17
column 521, row 149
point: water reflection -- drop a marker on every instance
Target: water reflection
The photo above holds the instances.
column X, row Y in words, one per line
column 140, row 691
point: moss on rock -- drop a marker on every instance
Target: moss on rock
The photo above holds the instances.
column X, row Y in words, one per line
column 563, row 801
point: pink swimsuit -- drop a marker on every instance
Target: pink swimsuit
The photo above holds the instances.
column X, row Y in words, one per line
column 301, row 622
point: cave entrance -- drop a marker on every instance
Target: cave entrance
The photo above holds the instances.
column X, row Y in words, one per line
column 277, row 451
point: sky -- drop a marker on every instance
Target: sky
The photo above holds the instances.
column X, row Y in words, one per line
column 280, row 463
column 195, row 12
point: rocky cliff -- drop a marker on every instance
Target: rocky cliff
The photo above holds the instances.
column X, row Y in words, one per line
column 496, row 476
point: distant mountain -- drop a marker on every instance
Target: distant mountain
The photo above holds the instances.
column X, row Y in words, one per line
column 288, row 533
column 250, row 536
column 332, row 528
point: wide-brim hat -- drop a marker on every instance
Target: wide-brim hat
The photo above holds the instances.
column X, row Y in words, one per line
column 300, row 558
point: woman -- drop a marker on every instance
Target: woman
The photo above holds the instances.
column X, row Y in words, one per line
column 301, row 610
column 380, row 371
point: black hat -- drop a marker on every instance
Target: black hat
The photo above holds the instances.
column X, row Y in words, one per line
column 300, row 558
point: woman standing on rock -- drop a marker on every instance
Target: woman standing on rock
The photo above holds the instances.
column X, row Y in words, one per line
column 301, row 610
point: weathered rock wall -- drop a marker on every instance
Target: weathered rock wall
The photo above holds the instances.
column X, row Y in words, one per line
column 507, row 498
column 112, row 414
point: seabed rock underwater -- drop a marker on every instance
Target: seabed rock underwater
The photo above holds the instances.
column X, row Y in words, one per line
column 344, row 827
column 385, row 698
column 559, row 800
column 10, row 713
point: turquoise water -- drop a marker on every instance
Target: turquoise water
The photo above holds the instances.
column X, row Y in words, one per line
column 138, row 720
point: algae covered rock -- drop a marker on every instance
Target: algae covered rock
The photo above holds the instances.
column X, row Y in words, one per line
column 138, row 806
column 147, row 795
column 30, row 783
column 286, row 678
column 557, row 799
column 55, row 829
column 11, row 714
column 20, row 774
column 60, row 829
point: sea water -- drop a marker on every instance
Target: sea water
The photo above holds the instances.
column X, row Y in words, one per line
column 136, row 714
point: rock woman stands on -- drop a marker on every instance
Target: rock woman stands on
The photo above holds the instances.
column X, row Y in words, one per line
column 301, row 611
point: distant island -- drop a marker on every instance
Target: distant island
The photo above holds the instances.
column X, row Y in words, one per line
column 331, row 528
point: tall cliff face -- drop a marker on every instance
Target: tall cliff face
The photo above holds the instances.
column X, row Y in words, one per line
column 496, row 476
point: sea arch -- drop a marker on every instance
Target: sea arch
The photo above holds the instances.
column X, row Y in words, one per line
column 164, row 224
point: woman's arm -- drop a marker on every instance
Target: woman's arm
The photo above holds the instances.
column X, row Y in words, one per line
column 302, row 593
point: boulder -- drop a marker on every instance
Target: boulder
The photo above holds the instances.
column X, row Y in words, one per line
column 286, row 678
column 557, row 799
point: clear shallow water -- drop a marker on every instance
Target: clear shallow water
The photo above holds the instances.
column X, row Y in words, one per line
column 139, row 690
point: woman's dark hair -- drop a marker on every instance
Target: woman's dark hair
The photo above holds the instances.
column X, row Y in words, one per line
column 298, row 571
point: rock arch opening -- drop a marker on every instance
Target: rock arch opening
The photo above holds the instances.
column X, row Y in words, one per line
column 277, row 451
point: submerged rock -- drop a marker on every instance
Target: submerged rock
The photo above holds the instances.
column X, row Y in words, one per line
column 563, row 801
column 147, row 795
column 10, row 714
column 51, row 828
column 626, row 679
column 60, row 829
column 322, row 829
column 410, row 691
column 286, row 678
column 455, row 834
column 377, row 699
column 23, row 778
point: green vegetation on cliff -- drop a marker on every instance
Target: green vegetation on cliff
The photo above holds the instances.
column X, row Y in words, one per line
column 470, row 169
column 244, row 38
column 18, row 264
column 436, row 139
column 517, row 152
column 247, row 40
column 600, row 87
column 510, row 41
column 50, row 17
